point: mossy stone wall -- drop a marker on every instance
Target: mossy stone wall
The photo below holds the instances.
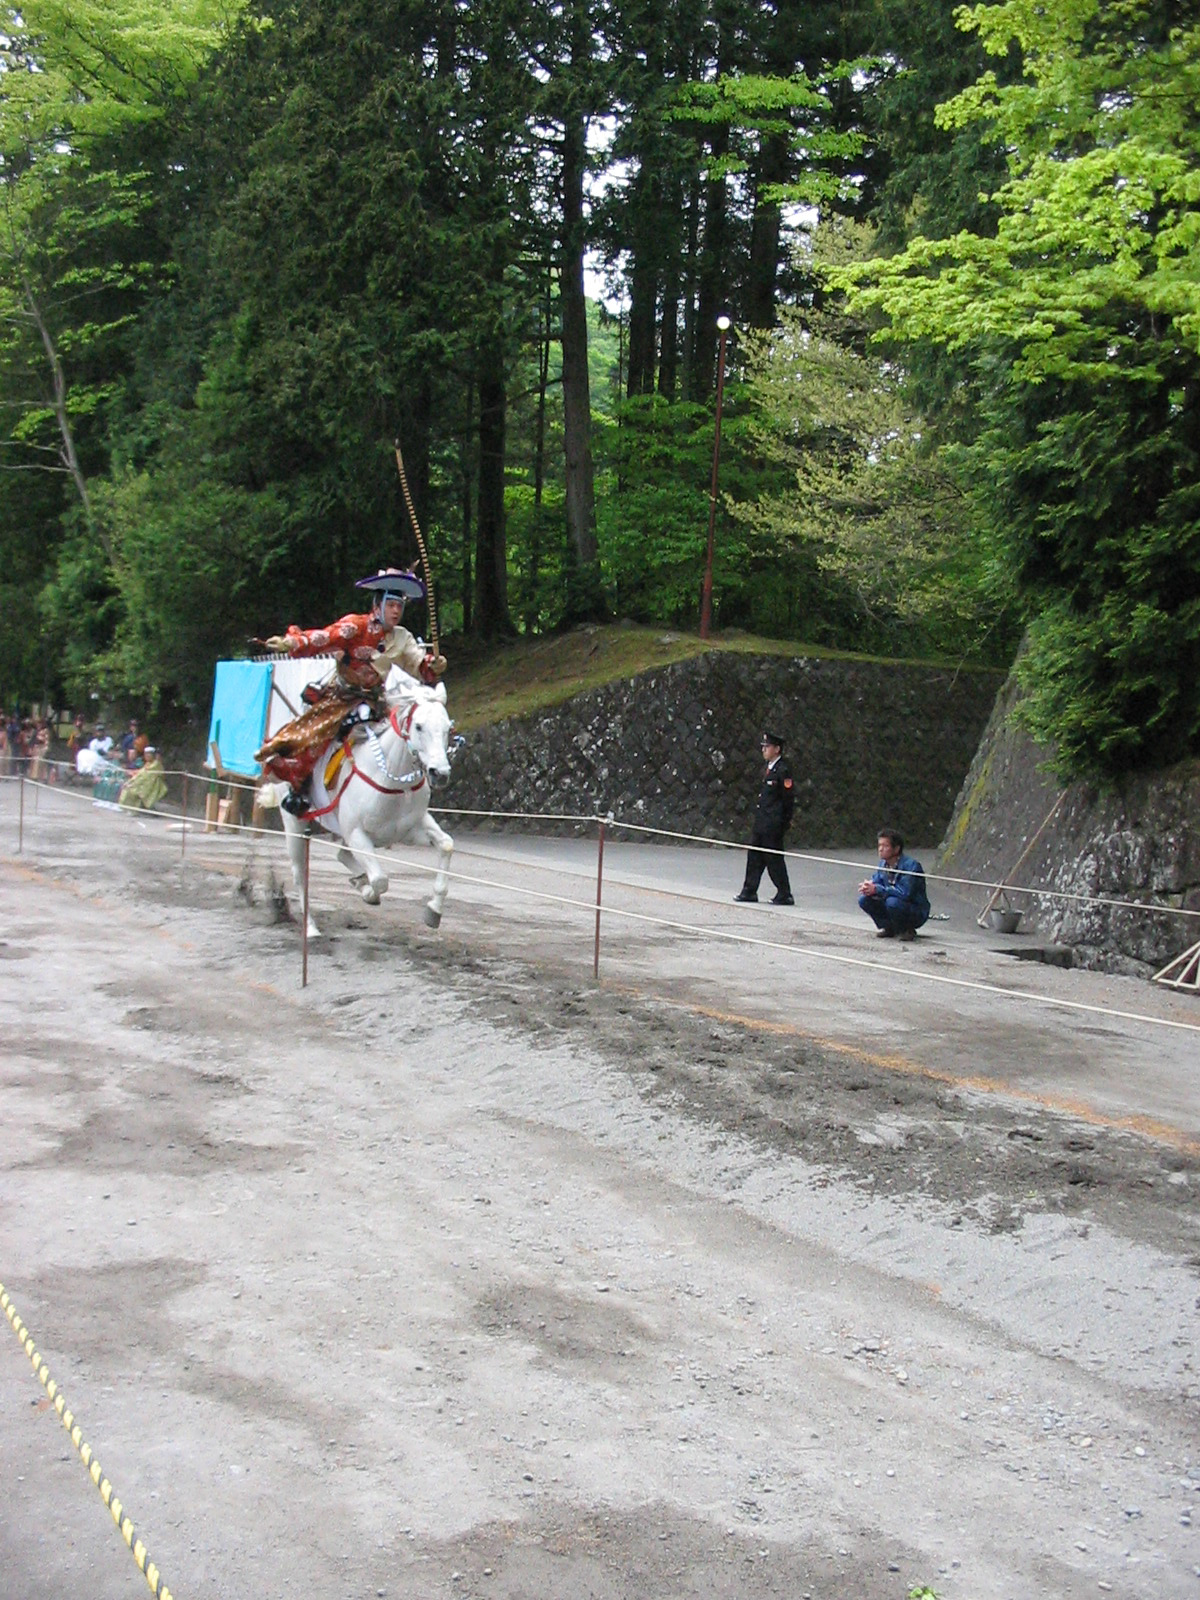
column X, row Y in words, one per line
column 678, row 748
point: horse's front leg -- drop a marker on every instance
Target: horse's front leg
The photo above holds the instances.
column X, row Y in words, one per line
column 363, row 849
column 444, row 845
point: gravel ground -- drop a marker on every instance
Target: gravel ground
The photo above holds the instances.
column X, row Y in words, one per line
column 742, row 1272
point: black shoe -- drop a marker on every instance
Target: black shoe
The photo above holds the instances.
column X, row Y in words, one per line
column 295, row 802
column 886, row 933
column 907, row 935
column 747, row 899
column 783, row 900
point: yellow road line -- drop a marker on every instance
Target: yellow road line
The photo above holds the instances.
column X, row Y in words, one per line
column 1147, row 1127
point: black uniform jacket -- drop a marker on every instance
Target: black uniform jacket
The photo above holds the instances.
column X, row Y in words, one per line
column 776, row 801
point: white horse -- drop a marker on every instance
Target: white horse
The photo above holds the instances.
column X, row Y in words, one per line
column 377, row 793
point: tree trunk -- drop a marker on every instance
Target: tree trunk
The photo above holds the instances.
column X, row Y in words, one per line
column 689, row 289
column 710, row 300
column 668, row 358
column 643, row 281
column 415, row 445
column 67, row 455
column 771, row 167
column 585, row 599
column 491, row 556
column 532, row 611
column 713, row 274
column 464, row 462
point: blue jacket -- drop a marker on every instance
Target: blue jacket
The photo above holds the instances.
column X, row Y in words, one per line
column 904, row 882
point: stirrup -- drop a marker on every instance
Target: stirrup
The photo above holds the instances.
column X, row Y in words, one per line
column 295, row 802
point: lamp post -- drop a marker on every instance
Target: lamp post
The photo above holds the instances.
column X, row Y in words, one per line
column 706, row 592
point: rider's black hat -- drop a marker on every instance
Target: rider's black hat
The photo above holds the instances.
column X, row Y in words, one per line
column 392, row 581
column 772, row 738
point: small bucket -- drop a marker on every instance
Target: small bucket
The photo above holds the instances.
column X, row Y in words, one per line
column 1004, row 919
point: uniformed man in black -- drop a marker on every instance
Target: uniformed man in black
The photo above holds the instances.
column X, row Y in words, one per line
column 776, row 802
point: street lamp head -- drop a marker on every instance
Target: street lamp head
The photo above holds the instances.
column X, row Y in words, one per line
column 723, row 323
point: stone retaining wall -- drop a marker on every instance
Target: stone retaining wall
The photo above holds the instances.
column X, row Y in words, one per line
column 678, row 748
column 1138, row 841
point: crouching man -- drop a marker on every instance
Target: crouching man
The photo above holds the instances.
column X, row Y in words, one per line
column 894, row 896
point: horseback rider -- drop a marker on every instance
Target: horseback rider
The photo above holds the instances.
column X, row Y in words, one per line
column 367, row 646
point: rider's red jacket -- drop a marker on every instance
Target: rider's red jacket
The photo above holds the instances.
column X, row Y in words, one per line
column 353, row 639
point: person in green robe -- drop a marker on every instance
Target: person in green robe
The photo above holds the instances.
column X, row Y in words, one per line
column 147, row 786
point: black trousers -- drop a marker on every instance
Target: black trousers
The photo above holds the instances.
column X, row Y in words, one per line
column 763, row 856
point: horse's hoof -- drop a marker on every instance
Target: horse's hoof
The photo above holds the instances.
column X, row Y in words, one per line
column 373, row 893
column 433, row 919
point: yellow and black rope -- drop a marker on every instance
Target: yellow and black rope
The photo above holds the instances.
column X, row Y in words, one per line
column 149, row 1571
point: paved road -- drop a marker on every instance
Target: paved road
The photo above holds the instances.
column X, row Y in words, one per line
column 1120, row 1050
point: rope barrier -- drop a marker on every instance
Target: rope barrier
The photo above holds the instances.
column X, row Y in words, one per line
column 815, row 955
column 614, row 822
column 125, row 1527
column 332, row 845
column 930, row 877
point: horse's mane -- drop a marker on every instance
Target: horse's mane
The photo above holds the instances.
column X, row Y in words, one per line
column 402, row 687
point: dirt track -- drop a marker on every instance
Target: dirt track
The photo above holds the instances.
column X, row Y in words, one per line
column 457, row 1274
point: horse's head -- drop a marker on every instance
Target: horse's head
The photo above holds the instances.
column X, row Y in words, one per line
column 417, row 713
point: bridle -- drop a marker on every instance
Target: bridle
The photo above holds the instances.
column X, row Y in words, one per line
column 397, row 782
column 394, row 782
column 400, row 723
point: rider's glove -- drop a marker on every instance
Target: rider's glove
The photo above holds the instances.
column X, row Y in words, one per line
column 279, row 643
column 432, row 668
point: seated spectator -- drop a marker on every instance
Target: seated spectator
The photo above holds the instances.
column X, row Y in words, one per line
column 94, row 757
column 894, row 895
column 147, row 787
column 128, row 740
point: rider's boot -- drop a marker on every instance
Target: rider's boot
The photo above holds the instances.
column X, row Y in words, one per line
column 297, row 799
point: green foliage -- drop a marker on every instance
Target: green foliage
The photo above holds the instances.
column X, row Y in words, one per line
column 537, row 554
column 1076, row 322
column 238, row 258
column 798, row 106
column 1099, row 210
column 653, row 516
column 86, row 87
column 1100, row 495
column 870, row 495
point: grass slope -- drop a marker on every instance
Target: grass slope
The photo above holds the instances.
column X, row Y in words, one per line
column 532, row 675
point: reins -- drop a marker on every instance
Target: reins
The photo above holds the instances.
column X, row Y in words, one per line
column 401, row 780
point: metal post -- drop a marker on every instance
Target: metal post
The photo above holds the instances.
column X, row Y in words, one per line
column 304, row 935
column 599, row 886
column 21, row 814
column 706, row 592
column 183, row 819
